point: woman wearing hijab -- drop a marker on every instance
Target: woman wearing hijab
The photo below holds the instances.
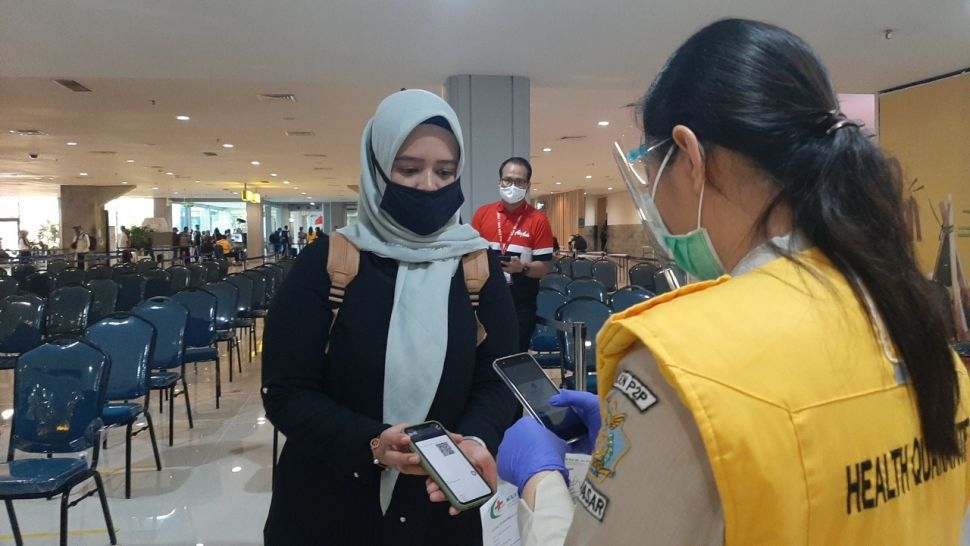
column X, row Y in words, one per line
column 402, row 350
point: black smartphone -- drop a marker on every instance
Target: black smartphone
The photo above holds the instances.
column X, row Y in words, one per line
column 448, row 466
column 533, row 388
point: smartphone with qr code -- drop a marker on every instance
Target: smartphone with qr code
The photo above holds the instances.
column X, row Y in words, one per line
column 449, row 468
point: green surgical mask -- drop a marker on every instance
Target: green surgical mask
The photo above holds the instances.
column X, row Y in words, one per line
column 692, row 251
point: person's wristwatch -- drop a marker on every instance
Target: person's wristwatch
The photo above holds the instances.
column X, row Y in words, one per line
column 374, row 444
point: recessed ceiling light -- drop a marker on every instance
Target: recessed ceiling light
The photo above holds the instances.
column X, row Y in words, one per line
column 588, row 176
column 83, row 174
column 130, row 161
column 197, row 181
column 237, row 469
column 547, row 149
column 72, row 143
column 183, row 118
column 309, row 197
column 603, row 124
column 286, row 181
column 559, row 183
column 169, row 173
column 155, row 188
column 227, row 145
column 610, row 188
column 175, row 193
column 296, row 187
column 235, row 193
column 302, row 193
column 254, row 163
column 124, row 182
column 273, row 174
column 312, row 203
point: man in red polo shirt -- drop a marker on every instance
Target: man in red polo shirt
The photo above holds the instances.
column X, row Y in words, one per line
column 523, row 238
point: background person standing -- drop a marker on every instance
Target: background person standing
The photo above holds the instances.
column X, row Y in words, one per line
column 81, row 246
column 521, row 235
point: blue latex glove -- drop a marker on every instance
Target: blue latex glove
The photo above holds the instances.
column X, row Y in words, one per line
column 527, row 449
column 587, row 406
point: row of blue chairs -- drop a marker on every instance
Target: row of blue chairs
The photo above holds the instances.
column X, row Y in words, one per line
column 602, row 270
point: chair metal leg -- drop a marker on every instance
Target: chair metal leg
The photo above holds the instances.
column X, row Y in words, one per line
column 218, row 379
column 64, row 499
column 14, row 526
column 229, row 350
column 188, row 404
column 104, row 508
column 238, row 357
column 151, row 434
column 128, row 459
column 171, row 416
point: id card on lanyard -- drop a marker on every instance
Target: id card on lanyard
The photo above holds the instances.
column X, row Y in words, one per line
column 504, row 244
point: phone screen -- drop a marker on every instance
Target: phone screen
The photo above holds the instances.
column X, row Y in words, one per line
column 534, row 388
column 441, row 453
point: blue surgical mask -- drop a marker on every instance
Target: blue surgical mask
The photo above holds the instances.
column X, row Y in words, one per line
column 692, row 251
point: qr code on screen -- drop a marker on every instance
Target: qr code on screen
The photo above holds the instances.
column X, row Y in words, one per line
column 445, row 449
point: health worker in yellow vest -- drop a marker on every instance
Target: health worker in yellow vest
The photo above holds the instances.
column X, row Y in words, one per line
column 804, row 391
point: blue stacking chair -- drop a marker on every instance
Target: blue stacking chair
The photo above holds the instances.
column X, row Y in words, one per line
column 200, row 337
column 129, row 342
column 71, row 376
column 667, row 279
column 628, row 296
column 545, row 341
column 131, row 290
column 118, row 270
column 582, row 269
column 272, row 283
column 197, row 275
column 212, row 273
column 21, row 272
column 555, row 281
column 244, row 309
column 67, row 310
column 566, row 266
column 170, row 319
column 40, row 283
column 605, row 272
column 142, row 266
column 157, row 283
column 8, row 286
column 223, row 267
column 594, row 314
column 99, row 271
column 56, row 266
column 586, row 288
column 179, row 277
column 226, row 295
column 69, row 275
column 642, row 275
column 104, row 297
column 21, row 326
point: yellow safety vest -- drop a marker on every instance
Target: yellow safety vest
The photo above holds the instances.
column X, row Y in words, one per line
column 811, row 437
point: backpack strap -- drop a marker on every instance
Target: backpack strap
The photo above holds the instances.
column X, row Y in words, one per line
column 343, row 263
column 475, row 267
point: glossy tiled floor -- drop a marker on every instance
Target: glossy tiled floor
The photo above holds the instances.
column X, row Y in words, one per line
column 214, row 487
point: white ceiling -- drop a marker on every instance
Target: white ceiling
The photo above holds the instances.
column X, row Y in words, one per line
column 209, row 60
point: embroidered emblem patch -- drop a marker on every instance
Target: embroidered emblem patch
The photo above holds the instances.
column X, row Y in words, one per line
column 611, row 445
column 635, row 390
column 593, row 501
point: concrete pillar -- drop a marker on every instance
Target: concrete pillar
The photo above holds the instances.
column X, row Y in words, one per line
column 494, row 115
column 255, row 245
column 84, row 206
column 163, row 209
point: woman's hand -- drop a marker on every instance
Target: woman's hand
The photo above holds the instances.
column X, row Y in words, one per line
column 480, row 458
column 395, row 453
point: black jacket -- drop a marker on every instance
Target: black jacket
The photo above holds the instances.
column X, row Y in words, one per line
column 329, row 407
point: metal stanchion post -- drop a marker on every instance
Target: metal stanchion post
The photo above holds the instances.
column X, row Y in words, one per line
column 579, row 333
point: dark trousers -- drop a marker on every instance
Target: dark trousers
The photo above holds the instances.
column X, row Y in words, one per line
column 527, row 323
column 80, row 260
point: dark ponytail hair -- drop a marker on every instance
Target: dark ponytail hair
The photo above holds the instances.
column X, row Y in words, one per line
column 761, row 91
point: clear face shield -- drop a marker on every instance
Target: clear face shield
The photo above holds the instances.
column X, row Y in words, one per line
column 631, row 160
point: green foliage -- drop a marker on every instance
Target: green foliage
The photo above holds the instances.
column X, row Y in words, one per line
column 141, row 237
column 49, row 236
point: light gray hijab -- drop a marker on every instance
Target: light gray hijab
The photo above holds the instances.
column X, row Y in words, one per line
column 418, row 334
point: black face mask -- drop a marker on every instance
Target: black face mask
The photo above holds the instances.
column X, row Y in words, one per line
column 422, row 212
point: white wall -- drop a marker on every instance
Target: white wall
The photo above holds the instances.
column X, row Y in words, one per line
column 620, row 209
column 590, row 218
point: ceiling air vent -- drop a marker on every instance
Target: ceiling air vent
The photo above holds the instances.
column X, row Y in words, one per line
column 314, row 155
column 580, row 137
column 103, row 152
column 323, row 168
column 276, row 97
column 210, row 154
column 300, row 133
column 28, row 132
column 72, row 85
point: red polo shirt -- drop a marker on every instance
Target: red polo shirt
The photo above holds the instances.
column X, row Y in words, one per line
column 524, row 233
